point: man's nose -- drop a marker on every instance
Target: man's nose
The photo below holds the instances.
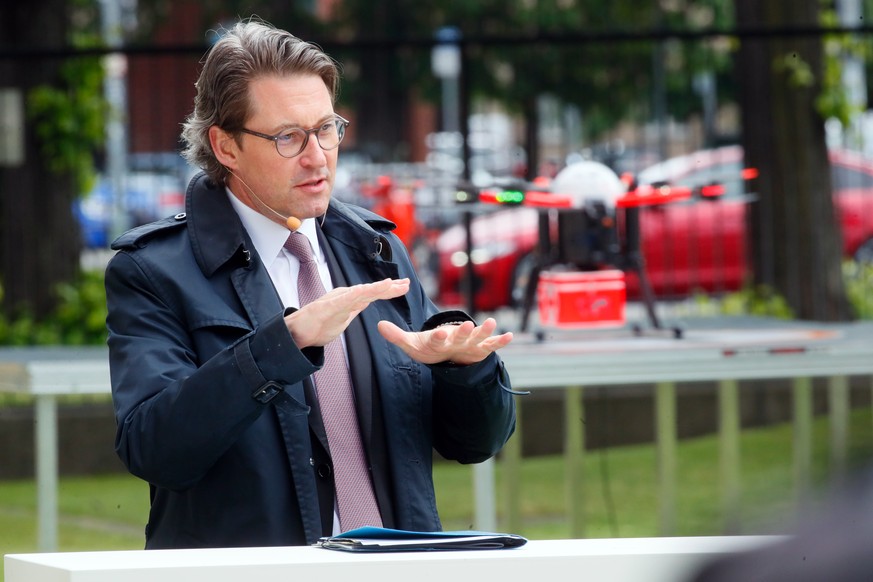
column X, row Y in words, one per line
column 313, row 154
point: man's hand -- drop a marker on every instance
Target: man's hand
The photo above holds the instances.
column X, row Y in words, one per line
column 461, row 344
column 320, row 322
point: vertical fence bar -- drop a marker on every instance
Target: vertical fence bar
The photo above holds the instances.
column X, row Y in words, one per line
column 665, row 427
column 46, row 442
column 485, row 513
column 729, row 451
column 511, row 457
column 574, row 456
column 838, row 403
column 802, row 401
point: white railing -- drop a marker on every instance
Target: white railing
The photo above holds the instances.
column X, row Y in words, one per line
column 568, row 361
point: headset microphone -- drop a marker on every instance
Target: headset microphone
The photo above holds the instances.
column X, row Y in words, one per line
column 292, row 222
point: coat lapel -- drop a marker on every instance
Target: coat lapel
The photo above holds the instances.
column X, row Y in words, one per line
column 221, row 244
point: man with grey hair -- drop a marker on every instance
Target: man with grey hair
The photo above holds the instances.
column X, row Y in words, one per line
column 278, row 372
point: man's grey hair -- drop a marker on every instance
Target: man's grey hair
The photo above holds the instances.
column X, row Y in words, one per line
column 249, row 50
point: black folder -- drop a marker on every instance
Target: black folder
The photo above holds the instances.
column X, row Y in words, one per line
column 378, row 539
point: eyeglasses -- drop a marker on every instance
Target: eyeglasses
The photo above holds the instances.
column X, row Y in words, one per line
column 293, row 141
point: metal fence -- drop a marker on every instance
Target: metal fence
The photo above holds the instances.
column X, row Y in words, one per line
column 158, row 93
column 680, row 92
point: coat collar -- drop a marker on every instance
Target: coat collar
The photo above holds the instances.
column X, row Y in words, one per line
column 217, row 234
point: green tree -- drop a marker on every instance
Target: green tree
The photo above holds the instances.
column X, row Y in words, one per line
column 517, row 51
column 39, row 240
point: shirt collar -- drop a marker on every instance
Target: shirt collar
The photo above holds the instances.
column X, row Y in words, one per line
column 269, row 237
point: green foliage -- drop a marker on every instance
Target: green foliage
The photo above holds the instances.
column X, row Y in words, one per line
column 797, row 70
column 859, row 287
column 833, row 101
column 759, row 300
column 512, row 59
column 69, row 119
column 80, row 318
column 763, row 301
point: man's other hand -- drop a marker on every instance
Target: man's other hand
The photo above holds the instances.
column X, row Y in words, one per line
column 465, row 344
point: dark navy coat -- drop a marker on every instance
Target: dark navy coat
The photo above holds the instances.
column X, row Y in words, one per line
column 212, row 398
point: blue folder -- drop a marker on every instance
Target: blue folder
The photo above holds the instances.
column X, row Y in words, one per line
column 379, row 539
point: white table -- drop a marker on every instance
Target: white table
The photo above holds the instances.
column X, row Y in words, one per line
column 607, row 560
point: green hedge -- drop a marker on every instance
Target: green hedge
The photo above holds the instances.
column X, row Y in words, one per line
column 80, row 318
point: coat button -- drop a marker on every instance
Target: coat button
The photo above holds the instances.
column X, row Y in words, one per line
column 323, row 470
column 180, row 216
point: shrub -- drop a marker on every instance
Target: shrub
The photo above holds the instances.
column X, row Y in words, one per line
column 80, row 318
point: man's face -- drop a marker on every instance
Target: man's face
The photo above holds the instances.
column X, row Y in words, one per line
column 298, row 186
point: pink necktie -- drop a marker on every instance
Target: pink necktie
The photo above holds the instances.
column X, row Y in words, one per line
column 356, row 500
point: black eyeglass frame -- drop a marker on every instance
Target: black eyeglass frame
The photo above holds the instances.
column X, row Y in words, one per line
column 341, row 124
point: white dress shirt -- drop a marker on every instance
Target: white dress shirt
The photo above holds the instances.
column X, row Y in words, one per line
column 269, row 240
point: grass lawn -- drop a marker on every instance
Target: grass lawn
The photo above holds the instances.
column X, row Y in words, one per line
column 108, row 512
column 620, row 496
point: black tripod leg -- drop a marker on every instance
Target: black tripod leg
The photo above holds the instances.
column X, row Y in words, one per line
column 529, row 292
column 648, row 296
column 634, row 259
column 544, row 251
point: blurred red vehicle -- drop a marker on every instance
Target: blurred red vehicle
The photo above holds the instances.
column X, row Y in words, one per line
column 693, row 245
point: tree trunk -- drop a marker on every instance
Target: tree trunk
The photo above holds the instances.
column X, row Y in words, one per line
column 795, row 239
column 39, row 239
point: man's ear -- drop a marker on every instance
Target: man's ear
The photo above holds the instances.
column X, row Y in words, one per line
column 224, row 147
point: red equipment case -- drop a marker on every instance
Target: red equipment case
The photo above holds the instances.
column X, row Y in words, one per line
column 581, row 299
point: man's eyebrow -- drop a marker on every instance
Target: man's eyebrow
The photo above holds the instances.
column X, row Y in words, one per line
column 288, row 126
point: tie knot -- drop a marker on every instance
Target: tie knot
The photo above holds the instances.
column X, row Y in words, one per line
column 298, row 245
